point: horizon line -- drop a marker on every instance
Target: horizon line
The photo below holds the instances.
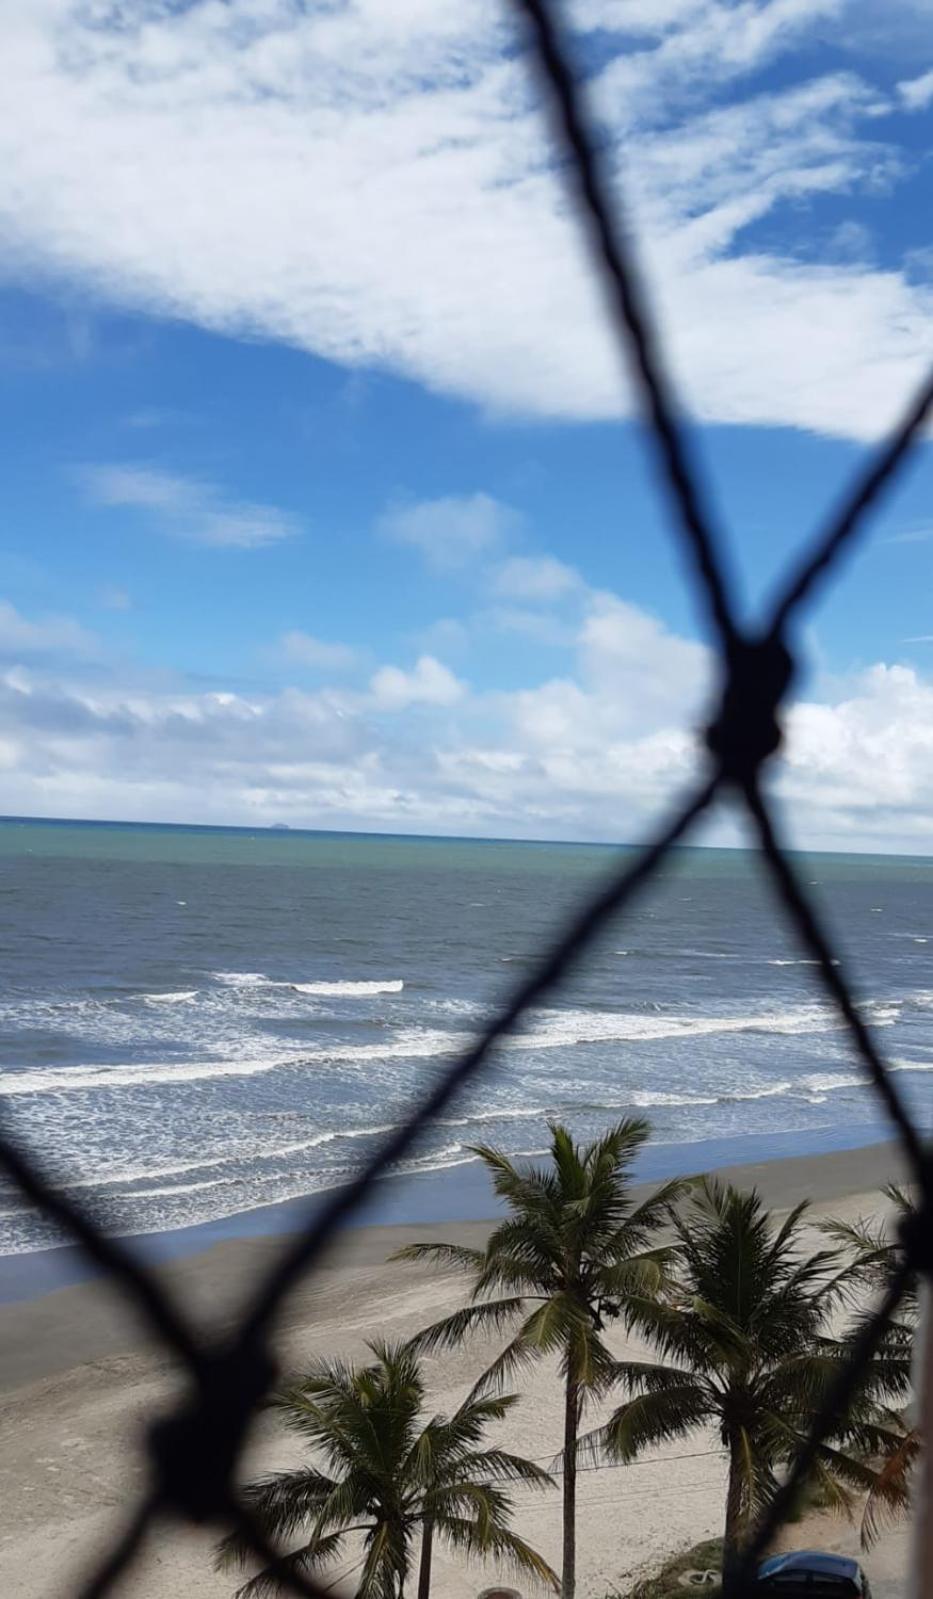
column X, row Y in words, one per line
column 440, row 838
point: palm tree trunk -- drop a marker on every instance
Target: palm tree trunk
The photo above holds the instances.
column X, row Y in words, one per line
column 571, row 1422
column 734, row 1528
column 424, row 1570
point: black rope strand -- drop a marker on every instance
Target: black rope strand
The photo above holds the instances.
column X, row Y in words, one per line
column 875, row 477
column 273, row 1560
column 105, row 1251
column 609, row 901
column 629, row 310
column 124, row 1552
column 802, row 913
column 740, row 1582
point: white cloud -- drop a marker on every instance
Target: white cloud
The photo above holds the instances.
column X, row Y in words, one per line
column 650, row 673
column 917, row 93
column 187, row 507
column 862, row 767
column 49, row 635
column 429, row 683
column 407, row 145
column 533, row 578
column 305, row 650
column 596, row 753
column 452, row 531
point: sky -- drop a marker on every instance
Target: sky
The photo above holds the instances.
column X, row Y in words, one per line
column 326, row 501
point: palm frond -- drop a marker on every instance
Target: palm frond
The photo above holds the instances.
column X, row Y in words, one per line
column 520, row 1188
column 889, row 1495
column 519, row 1354
column 498, row 1465
column 490, row 1315
column 282, row 1503
column 304, row 1562
column 655, row 1417
column 384, row 1566
column 655, row 1211
column 503, row 1546
column 443, row 1254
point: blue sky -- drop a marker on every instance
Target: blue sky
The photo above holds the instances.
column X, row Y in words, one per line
column 324, row 502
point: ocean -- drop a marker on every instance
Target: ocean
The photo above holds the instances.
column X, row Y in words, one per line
column 198, row 1022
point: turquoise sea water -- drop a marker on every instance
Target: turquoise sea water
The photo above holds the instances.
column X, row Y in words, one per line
column 198, row 1022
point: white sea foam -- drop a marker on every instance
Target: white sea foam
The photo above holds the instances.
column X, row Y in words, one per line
column 827, row 1082
column 512, row 1113
column 126, row 1177
column 174, row 1190
column 645, row 1100
column 322, row 988
column 558, row 1029
column 393, row 985
column 549, row 1029
column 418, row 1044
column 71, row 1078
column 772, row 1091
column 881, row 1012
column 800, row 961
column 183, row 996
column 241, row 979
column 437, row 1160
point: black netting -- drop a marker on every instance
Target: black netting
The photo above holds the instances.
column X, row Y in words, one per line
column 194, row 1453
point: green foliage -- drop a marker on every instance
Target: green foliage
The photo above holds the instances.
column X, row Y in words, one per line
column 745, row 1346
column 876, row 1256
column 382, row 1470
column 562, row 1265
column 571, row 1252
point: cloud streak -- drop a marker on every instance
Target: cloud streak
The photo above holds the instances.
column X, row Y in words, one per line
column 453, row 531
column 187, row 508
column 22, row 637
column 305, row 650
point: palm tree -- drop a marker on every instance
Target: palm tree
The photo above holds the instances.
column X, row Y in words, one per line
column 877, row 1253
column 386, row 1473
column 746, row 1348
column 572, row 1249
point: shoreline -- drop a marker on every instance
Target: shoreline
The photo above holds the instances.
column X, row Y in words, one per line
column 453, row 1194
column 84, row 1321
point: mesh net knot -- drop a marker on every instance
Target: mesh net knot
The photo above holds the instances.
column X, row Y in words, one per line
column 746, row 730
column 195, row 1450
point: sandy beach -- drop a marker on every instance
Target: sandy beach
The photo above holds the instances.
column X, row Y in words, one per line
column 79, row 1380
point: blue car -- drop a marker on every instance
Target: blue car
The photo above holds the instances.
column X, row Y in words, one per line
column 818, row 1576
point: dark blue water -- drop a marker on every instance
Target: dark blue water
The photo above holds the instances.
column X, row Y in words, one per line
column 196, row 1023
